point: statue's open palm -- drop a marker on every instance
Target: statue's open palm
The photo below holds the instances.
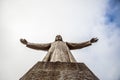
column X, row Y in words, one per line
column 24, row 41
column 93, row 40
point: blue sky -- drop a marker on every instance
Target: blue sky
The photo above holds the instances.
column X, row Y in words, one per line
column 76, row 20
column 113, row 11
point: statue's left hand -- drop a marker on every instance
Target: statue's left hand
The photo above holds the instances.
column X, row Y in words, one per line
column 93, row 40
column 24, row 41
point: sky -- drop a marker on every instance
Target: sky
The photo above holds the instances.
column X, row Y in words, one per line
column 39, row 21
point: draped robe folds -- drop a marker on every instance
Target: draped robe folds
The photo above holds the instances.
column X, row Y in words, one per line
column 58, row 50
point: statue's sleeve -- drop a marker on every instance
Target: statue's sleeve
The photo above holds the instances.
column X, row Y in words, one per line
column 73, row 46
column 38, row 46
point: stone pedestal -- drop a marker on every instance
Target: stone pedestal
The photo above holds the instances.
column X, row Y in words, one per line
column 59, row 71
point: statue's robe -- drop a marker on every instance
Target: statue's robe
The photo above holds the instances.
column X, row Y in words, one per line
column 59, row 50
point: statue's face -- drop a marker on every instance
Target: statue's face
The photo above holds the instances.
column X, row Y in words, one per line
column 58, row 38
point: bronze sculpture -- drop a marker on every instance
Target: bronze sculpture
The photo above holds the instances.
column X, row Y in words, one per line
column 58, row 50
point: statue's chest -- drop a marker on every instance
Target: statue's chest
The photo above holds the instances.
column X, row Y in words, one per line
column 59, row 45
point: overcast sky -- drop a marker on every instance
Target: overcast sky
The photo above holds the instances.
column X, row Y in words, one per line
column 40, row 21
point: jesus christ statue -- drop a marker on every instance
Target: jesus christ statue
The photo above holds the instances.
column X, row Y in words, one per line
column 58, row 50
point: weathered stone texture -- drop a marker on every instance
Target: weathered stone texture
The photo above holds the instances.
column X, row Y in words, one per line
column 59, row 71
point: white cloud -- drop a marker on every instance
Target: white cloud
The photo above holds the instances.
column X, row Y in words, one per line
column 41, row 21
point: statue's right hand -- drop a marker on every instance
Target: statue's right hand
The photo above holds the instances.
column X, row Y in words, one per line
column 24, row 41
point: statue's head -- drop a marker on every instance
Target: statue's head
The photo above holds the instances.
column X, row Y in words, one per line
column 58, row 38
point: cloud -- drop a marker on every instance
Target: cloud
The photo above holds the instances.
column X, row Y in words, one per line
column 77, row 21
column 112, row 18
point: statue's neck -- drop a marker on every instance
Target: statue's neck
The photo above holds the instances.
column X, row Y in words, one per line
column 58, row 41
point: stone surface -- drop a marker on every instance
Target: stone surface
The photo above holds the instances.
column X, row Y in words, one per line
column 59, row 71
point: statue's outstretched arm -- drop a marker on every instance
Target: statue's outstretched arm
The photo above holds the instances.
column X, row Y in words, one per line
column 73, row 46
column 36, row 46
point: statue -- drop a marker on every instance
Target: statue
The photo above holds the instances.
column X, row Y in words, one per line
column 58, row 50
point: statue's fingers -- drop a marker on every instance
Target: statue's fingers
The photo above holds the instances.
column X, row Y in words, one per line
column 21, row 40
column 96, row 40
